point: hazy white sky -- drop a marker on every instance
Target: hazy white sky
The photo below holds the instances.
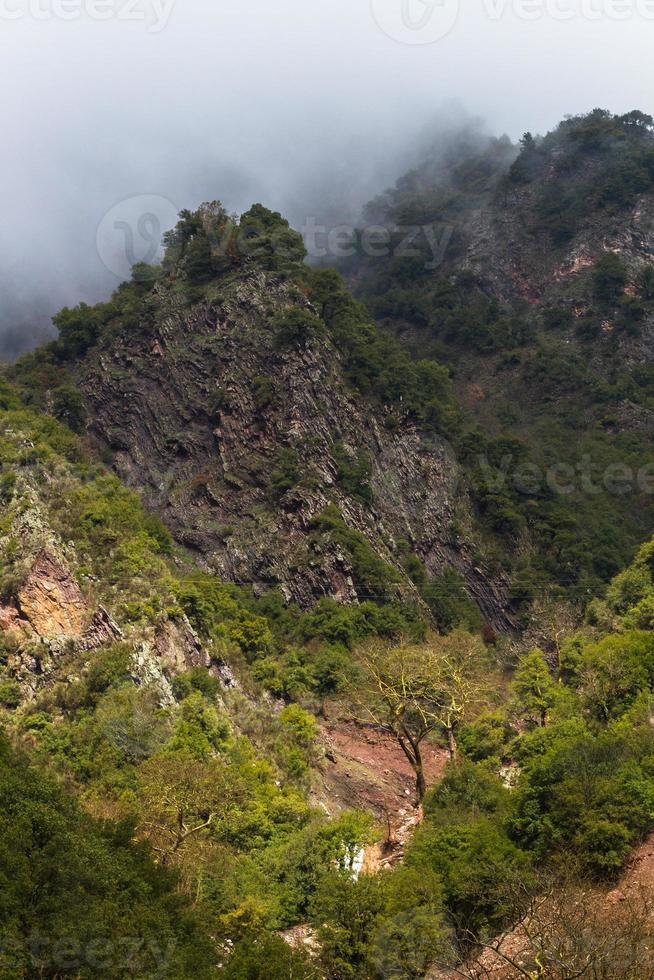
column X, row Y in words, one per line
column 245, row 100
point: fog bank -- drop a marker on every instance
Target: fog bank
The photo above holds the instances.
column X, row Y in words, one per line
column 310, row 108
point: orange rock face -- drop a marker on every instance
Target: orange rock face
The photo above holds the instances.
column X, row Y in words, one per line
column 51, row 600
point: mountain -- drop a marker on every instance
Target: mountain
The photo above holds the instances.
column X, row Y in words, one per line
column 541, row 306
column 326, row 623
column 460, row 434
column 284, row 440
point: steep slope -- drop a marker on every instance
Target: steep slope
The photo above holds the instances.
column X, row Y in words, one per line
column 542, row 307
column 136, row 770
column 527, row 221
column 283, row 441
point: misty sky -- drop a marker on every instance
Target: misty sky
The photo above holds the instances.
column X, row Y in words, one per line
column 307, row 105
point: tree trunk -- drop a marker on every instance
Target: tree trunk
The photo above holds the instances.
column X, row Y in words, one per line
column 413, row 754
column 421, row 785
column 452, row 747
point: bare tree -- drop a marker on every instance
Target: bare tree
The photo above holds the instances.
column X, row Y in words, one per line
column 570, row 931
column 412, row 691
column 550, row 622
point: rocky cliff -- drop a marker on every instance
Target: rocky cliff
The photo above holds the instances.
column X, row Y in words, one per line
column 52, row 611
column 242, row 444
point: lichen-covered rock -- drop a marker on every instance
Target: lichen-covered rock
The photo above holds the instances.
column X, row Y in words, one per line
column 148, row 671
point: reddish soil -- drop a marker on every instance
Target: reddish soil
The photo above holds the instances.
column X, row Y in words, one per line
column 365, row 768
column 638, row 876
column 635, row 889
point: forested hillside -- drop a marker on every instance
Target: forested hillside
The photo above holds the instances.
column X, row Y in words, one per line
column 308, row 666
column 185, row 717
column 542, row 309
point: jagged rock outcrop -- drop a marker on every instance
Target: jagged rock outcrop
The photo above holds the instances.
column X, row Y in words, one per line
column 42, row 598
column 49, row 601
column 203, row 408
column 51, row 624
column 101, row 630
column 52, row 614
column 178, row 647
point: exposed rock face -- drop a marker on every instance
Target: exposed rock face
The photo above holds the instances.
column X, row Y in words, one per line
column 42, row 598
column 102, row 629
column 52, row 616
column 45, row 612
column 52, row 625
column 148, row 671
column 9, row 618
column 198, row 414
column 519, row 263
column 178, row 647
column 50, row 600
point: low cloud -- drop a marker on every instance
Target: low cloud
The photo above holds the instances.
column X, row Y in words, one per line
column 311, row 109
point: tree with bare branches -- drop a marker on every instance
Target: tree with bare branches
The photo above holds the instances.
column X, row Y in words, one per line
column 413, row 691
column 182, row 798
column 569, row 930
column 549, row 623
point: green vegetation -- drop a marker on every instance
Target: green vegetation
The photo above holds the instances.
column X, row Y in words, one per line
column 604, row 162
column 188, row 800
column 548, row 393
column 375, row 577
column 79, row 896
column 287, row 473
column 376, row 365
column 609, row 278
column 178, row 811
column 353, row 473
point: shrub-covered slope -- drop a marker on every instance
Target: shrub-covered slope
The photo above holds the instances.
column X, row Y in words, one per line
column 542, row 308
column 167, row 748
